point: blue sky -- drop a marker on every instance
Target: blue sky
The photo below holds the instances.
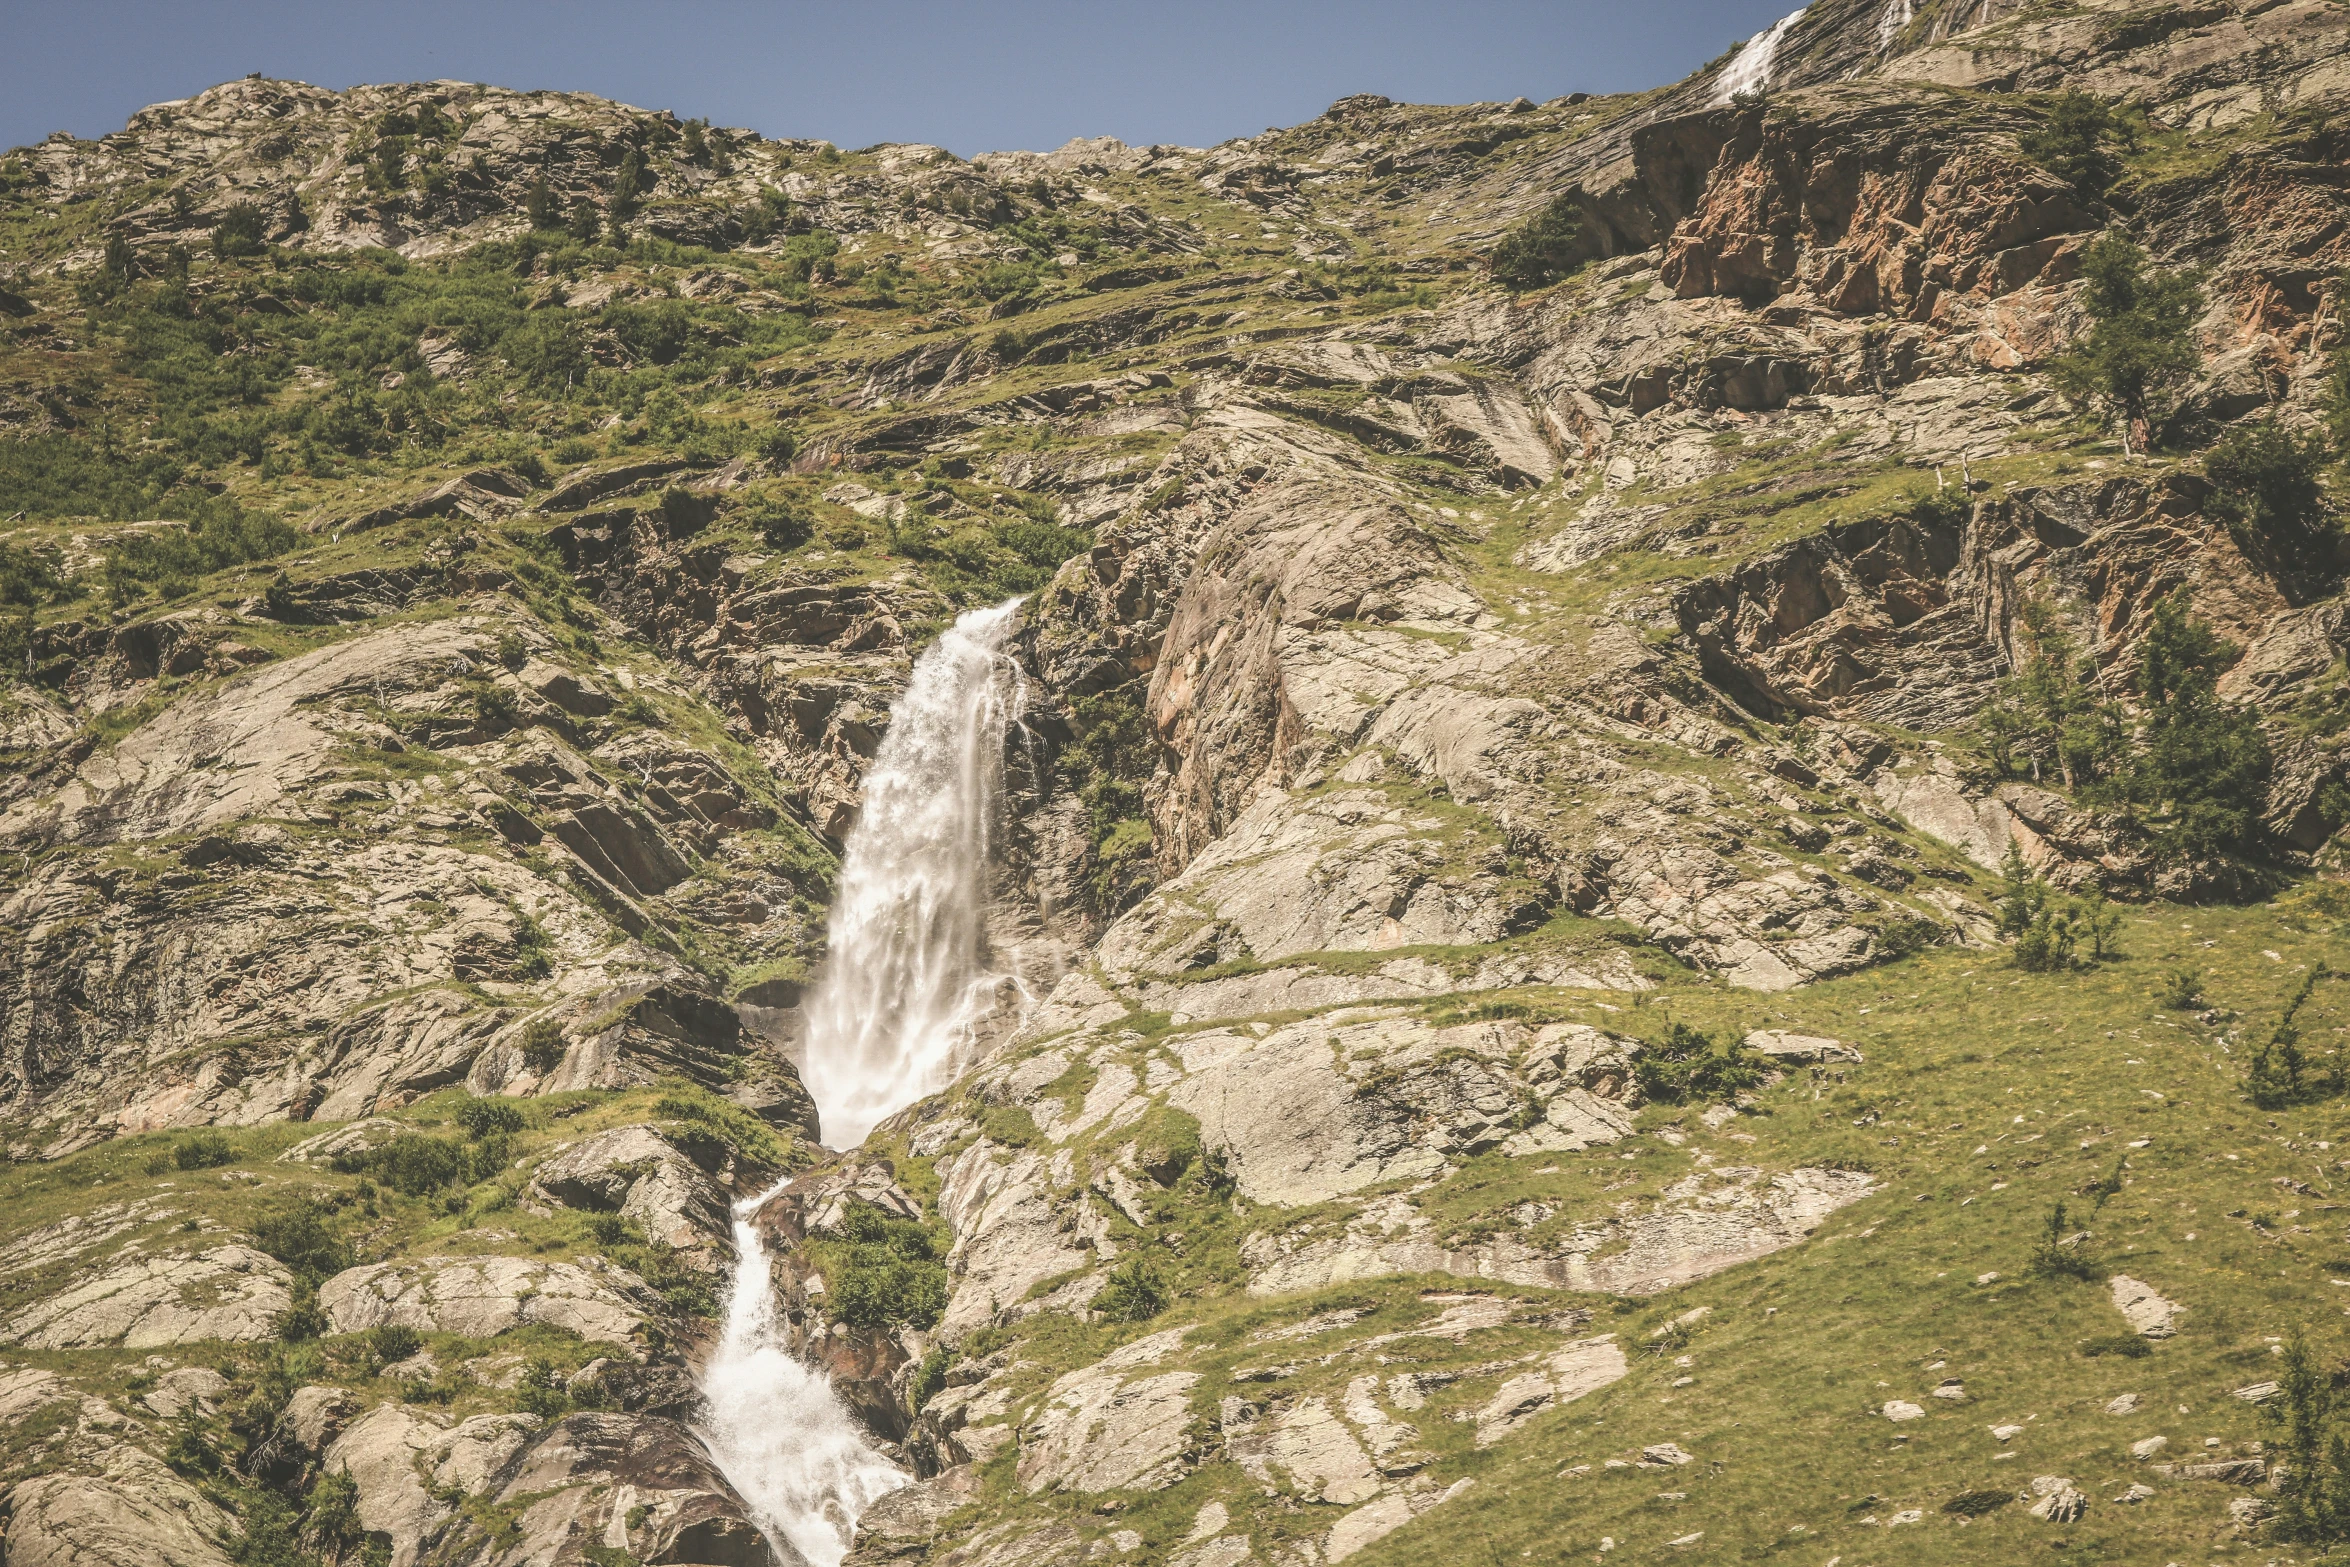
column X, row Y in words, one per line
column 973, row 78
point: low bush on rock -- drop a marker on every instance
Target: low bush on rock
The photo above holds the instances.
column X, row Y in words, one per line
column 1688, row 1066
column 883, row 1272
column 1543, row 249
column 204, row 1151
column 1135, row 1293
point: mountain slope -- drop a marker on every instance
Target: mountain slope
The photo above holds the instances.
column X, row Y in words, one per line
column 463, row 548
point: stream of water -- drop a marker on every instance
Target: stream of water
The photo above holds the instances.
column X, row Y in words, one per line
column 902, row 989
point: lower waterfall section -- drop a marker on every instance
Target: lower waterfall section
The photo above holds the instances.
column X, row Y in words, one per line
column 902, row 988
column 778, row 1432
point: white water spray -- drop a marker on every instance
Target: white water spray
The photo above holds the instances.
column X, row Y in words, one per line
column 1749, row 69
column 902, row 990
column 790, row 1448
column 902, row 986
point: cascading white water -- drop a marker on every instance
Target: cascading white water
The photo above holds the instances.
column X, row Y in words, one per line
column 902, row 985
column 790, row 1448
column 1749, row 69
column 901, row 992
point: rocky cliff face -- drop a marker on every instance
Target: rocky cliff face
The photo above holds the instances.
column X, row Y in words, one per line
column 467, row 543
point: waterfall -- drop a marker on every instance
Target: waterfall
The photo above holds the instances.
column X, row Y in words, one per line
column 790, row 1448
column 1749, row 69
column 902, row 988
column 902, row 985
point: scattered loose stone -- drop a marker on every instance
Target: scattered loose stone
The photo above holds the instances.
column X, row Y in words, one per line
column 2259, row 1392
column 2138, row 1492
column 1899, row 1409
column 2127, row 1404
column 2149, row 1447
column 2150, row 1316
column 2250, row 1512
column 2229, row 1471
column 1665, row 1455
column 2060, row 1500
column 1953, row 1389
column 1800, row 1049
column 2007, row 1433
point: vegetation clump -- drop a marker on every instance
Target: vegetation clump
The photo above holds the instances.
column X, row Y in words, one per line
column 1543, row 249
column 2313, row 1474
column 2141, row 348
column 2049, row 930
column 2265, row 489
column 881, row 1271
column 2079, row 141
column 1136, row 1292
column 2061, row 1253
column 2281, row 1072
column 1687, row 1066
column 1108, row 763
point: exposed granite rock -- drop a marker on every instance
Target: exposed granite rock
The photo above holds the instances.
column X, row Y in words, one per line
column 482, row 1297
column 142, row 1301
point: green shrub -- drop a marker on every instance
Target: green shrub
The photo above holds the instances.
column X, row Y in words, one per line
column 2201, row 773
column 2129, row 1346
column 543, row 1045
column 392, row 1342
column 783, row 523
column 883, row 1271
column 487, row 1117
column 1135, row 1293
column 748, row 1137
column 1009, row 1125
column 2280, row 1073
column 540, row 1390
column 331, row 1517
column 2052, row 1258
column 302, row 1321
column 298, row 1235
column 1107, row 764
column 30, row 575
column 611, row 1230
column 2048, row 712
column 2142, row 347
column 930, row 1377
column 419, row 1165
column 239, row 231
column 204, row 1151
column 1544, row 248
column 221, row 534
column 2182, row 990
column 1687, row 1065
column 2313, row 1476
column 628, row 183
column 2265, row 489
column 2073, row 145
column 191, row 1451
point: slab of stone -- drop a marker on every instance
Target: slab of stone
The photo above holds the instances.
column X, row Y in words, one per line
column 2149, row 1315
column 142, row 1301
column 482, row 1297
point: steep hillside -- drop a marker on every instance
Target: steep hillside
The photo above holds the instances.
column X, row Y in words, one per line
column 1669, row 878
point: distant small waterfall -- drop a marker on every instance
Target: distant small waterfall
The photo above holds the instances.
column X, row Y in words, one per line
column 1749, row 69
column 901, row 990
column 902, row 983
